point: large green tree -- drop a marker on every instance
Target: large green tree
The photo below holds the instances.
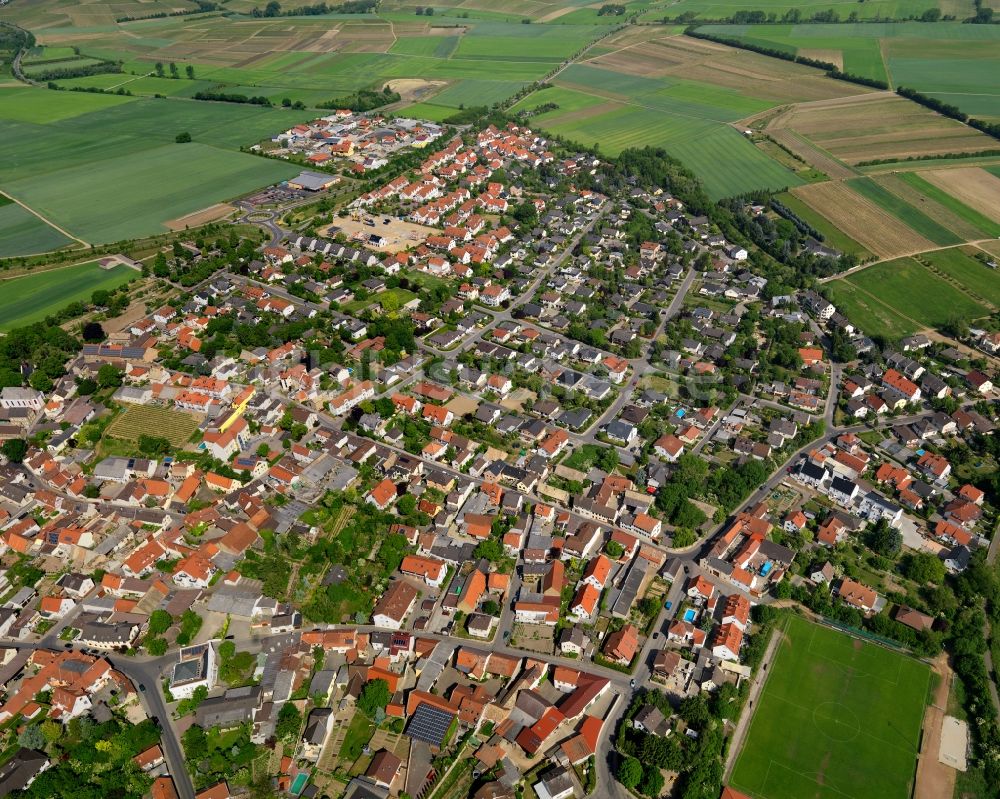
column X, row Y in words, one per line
column 630, row 773
column 374, row 697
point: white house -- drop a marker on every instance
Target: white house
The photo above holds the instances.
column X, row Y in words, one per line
column 197, row 666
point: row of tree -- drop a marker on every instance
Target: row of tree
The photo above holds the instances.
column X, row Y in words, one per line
column 274, row 9
column 364, row 99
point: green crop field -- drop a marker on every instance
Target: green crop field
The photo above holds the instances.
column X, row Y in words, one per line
column 988, row 227
column 42, row 108
column 972, row 274
column 23, row 233
column 902, row 210
column 28, row 299
column 956, row 63
column 869, row 313
column 915, row 291
column 118, row 204
column 474, row 92
column 614, row 111
column 838, row 719
column 897, row 298
column 175, row 426
column 726, row 162
column 873, row 9
column 318, row 58
column 90, row 172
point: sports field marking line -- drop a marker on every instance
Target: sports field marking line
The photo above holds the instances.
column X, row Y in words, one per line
column 778, row 644
column 857, row 672
column 862, row 730
column 807, row 777
column 48, row 222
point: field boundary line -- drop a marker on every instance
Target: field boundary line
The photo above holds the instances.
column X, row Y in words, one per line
column 48, row 222
column 920, row 325
column 861, row 267
column 610, row 97
column 885, row 62
column 53, row 268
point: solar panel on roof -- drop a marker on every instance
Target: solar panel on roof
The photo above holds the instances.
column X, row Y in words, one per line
column 429, row 724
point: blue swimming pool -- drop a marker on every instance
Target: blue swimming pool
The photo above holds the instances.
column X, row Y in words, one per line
column 298, row 784
column 690, row 614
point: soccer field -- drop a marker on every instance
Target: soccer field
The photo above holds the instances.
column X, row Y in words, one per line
column 838, row 719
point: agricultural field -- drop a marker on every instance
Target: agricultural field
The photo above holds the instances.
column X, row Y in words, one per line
column 93, row 156
column 978, row 189
column 29, row 299
column 896, row 298
column 561, row 11
column 874, row 228
column 869, row 313
column 120, row 206
column 650, row 88
column 832, row 235
column 871, row 10
column 964, row 221
column 874, row 126
column 961, row 267
column 71, row 13
column 838, row 719
column 318, row 59
column 956, row 63
column 150, row 420
column 23, row 233
column 912, row 216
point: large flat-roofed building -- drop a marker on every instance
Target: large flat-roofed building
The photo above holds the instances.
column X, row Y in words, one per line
column 313, row 181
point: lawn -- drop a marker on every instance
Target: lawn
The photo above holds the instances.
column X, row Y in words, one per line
column 838, row 719
column 31, row 298
column 584, row 456
column 903, row 211
column 23, row 233
column 402, row 296
column 359, row 733
column 175, row 426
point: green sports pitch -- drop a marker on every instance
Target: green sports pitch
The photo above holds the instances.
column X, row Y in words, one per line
column 838, row 718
